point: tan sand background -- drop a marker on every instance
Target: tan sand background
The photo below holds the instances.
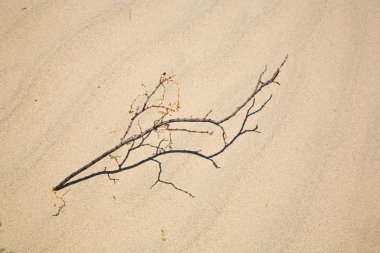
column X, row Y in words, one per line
column 308, row 183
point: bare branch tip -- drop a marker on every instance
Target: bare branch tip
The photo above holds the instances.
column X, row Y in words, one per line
column 284, row 61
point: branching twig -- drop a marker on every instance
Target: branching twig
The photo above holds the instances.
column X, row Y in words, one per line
column 115, row 159
column 110, row 178
column 164, row 126
column 63, row 203
column 159, row 180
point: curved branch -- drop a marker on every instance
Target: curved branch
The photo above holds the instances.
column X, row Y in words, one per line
column 144, row 134
column 151, row 158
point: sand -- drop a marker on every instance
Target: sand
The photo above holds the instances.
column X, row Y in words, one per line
column 308, row 183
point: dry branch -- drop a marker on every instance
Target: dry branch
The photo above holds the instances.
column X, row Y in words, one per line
column 163, row 125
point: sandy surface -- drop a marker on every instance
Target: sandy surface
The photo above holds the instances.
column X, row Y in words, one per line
column 308, row 183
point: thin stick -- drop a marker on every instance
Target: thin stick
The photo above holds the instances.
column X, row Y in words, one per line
column 63, row 203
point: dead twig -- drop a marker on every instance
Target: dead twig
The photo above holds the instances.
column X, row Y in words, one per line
column 159, row 100
column 110, row 178
column 159, row 180
column 63, row 203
